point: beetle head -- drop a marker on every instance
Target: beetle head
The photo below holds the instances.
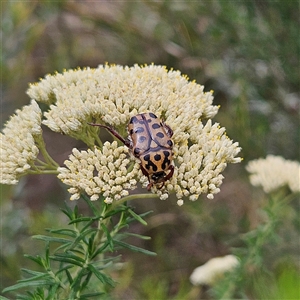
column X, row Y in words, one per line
column 158, row 177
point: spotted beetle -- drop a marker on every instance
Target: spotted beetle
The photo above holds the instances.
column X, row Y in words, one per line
column 150, row 141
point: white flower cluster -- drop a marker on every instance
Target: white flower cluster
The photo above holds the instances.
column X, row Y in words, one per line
column 113, row 94
column 274, row 172
column 18, row 143
column 212, row 270
column 200, row 165
column 99, row 173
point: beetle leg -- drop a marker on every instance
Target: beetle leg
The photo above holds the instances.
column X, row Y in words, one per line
column 163, row 183
column 150, row 184
column 115, row 133
column 144, row 171
column 168, row 129
column 171, row 168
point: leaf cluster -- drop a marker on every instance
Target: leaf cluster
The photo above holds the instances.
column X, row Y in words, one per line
column 75, row 264
column 259, row 248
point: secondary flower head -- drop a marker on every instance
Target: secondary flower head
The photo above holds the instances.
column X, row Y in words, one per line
column 213, row 269
column 99, row 172
column 18, row 149
column 274, row 172
column 111, row 95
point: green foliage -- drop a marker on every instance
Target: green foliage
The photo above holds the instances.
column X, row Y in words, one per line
column 256, row 259
column 248, row 53
column 80, row 258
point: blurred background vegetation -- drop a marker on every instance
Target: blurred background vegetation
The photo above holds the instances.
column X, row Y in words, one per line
column 246, row 51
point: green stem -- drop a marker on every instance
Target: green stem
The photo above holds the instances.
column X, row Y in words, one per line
column 132, row 197
column 93, row 137
column 35, row 172
column 57, row 280
column 41, row 163
column 99, row 236
column 98, row 140
column 42, row 146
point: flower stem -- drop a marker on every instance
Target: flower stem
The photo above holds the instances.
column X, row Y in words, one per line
column 133, row 197
column 35, row 172
column 42, row 146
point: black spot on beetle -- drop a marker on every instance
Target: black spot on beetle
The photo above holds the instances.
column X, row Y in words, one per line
column 152, row 115
column 142, row 139
column 139, row 130
column 166, row 153
column 131, row 131
column 160, row 135
column 155, row 126
column 154, row 167
column 136, row 151
column 149, row 164
column 157, row 157
column 133, row 120
column 170, row 143
column 166, row 161
column 149, row 120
